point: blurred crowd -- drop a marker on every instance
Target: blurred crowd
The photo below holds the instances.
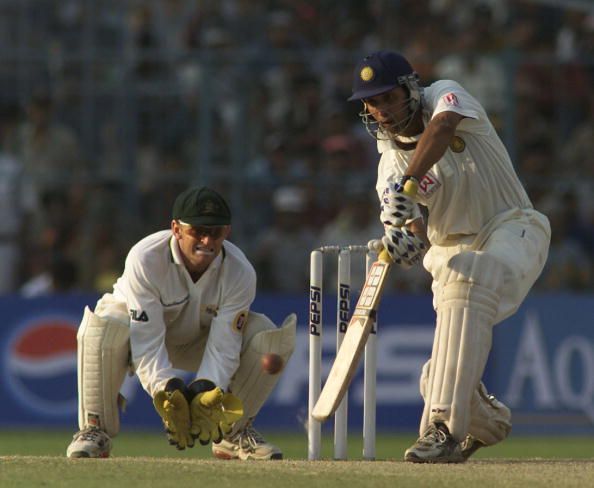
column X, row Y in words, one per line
column 110, row 108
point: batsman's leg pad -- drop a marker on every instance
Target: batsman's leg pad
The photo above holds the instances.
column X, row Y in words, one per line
column 466, row 311
column 103, row 359
column 423, row 387
column 250, row 383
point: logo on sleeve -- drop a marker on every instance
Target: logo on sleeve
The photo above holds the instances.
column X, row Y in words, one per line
column 239, row 322
column 451, row 99
column 138, row 315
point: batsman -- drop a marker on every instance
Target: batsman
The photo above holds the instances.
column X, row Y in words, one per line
column 446, row 183
column 180, row 310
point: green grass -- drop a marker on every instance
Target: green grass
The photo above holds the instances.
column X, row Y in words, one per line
column 145, row 459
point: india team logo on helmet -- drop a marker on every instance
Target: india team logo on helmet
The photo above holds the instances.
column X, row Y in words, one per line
column 367, row 73
column 41, row 366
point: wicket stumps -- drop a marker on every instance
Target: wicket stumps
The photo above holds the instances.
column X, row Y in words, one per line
column 343, row 305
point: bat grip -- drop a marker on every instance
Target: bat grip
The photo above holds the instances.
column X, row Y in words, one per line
column 384, row 256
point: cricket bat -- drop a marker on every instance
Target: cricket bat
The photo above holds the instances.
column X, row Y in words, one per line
column 355, row 338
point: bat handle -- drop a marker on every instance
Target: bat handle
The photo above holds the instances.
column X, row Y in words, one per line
column 384, row 256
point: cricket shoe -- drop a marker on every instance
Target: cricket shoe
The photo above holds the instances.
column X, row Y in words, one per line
column 470, row 445
column 246, row 444
column 90, row 442
column 435, row 446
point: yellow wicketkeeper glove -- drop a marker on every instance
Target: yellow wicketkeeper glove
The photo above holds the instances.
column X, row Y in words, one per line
column 173, row 407
column 212, row 411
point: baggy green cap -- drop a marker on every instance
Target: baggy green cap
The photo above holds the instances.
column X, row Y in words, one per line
column 201, row 206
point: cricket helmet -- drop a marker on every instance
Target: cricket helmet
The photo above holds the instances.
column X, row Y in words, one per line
column 381, row 72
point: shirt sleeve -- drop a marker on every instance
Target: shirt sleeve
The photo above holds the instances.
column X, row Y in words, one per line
column 223, row 346
column 147, row 327
column 449, row 96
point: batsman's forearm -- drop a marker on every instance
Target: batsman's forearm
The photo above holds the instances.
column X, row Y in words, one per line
column 431, row 147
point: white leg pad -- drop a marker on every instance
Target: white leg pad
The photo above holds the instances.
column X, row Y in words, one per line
column 103, row 359
column 423, row 387
column 250, row 382
column 490, row 419
column 466, row 310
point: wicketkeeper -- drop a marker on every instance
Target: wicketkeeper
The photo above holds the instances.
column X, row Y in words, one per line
column 182, row 305
column 440, row 153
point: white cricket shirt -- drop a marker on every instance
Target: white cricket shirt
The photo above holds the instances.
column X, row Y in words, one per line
column 472, row 183
column 165, row 304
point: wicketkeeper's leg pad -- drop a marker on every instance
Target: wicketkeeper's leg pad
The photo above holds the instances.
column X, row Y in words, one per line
column 103, row 359
column 490, row 419
column 466, row 308
column 251, row 383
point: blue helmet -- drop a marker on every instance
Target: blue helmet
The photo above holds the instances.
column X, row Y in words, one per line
column 381, row 72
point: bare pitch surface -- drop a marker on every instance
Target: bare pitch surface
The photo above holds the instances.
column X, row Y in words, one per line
column 131, row 472
column 141, row 460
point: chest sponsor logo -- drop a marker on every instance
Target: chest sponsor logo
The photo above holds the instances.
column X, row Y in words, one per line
column 239, row 322
column 138, row 315
column 457, row 145
column 428, row 185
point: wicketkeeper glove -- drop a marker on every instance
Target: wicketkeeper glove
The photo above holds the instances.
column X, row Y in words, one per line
column 403, row 246
column 398, row 203
column 174, row 409
column 212, row 411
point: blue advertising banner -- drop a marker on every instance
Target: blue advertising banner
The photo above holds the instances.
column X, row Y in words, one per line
column 541, row 365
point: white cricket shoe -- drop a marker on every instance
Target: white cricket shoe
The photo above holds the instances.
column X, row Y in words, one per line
column 246, row 444
column 435, row 446
column 89, row 443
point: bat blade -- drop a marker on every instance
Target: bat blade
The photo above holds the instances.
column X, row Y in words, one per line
column 348, row 356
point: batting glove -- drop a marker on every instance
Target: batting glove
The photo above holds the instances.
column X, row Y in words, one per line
column 398, row 203
column 403, row 246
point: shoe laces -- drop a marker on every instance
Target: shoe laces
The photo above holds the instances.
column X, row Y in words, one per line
column 249, row 438
column 435, row 434
column 89, row 434
column 467, row 442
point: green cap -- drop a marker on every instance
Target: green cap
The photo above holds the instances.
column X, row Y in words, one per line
column 201, row 206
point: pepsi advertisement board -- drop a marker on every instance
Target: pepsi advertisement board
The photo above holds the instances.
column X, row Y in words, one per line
column 541, row 365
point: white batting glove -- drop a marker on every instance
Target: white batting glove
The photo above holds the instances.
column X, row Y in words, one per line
column 403, row 246
column 398, row 202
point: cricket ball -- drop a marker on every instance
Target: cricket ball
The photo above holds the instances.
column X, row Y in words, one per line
column 272, row 363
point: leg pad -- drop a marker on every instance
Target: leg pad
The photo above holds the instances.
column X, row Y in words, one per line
column 103, row 359
column 251, row 383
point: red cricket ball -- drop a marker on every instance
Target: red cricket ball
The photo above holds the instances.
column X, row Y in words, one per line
column 272, row 363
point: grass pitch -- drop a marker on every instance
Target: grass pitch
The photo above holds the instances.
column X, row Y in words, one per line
column 146, row 460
